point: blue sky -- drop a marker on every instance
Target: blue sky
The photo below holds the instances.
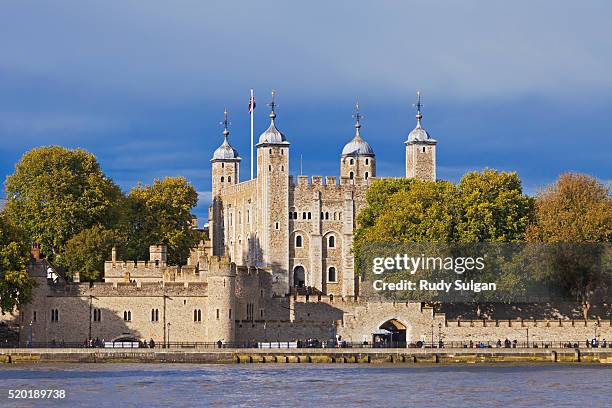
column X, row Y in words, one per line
column 523, row 86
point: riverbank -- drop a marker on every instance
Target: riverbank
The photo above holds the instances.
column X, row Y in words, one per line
column 369, row 355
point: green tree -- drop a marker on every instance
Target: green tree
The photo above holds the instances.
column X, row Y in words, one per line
column 161, row 214
column 56, row 192
column 575, row 212
column 493, row 207
column 15, row 284
column 87, row 251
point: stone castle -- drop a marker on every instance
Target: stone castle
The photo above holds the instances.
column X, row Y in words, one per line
column 277, row 266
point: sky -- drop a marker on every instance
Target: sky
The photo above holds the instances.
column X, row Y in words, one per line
column 520, row 86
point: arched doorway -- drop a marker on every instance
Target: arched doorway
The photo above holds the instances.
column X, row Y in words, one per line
column 391, row 333
column 299, row 277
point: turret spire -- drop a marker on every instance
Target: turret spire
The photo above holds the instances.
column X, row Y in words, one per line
column 357, row 115
column 272, row 106
column 418, row 105
column 225, row 124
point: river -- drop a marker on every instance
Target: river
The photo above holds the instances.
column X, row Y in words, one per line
column 309, row 385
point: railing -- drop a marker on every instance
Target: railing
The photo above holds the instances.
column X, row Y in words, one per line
column 317, row 344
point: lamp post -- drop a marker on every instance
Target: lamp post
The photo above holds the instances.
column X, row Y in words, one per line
column 168, row 325
column 528, row 337
column 432, row 334
column 30, row 339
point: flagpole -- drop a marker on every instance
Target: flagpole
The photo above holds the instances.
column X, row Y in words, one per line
column 252, row 142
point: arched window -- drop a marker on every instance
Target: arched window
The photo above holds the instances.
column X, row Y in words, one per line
column 197, row 315
column 351, row 175
column 367, row 161
column 229, row 179
column 331, row 241
column 295, row 215
column 222, row 165
column 331, row 274
column 222, row 179
column 309, row 215
column 352, row 161
column 327, row 215
column 304, row 215
column 298, row 241
column 127, row 315
column 423, row 149
column 366, row 175
column 270, row 151
column 154, row 315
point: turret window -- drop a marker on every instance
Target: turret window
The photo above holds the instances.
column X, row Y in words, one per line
column 367, row 175
column 270, row 151
column 367, row 161
column 351, row 162
column 351, row 175
column 423, row 149
column 222, row 179
column 229, row 179
column 309, row 215
column 298, row 241
column 331, row 241
column 331, row 274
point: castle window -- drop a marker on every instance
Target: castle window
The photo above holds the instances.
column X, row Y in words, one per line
column 295, row 216
column 309, row 215
column 250, row 308
column 197, row 315
column 298, row 241
column 351, row 175
column 230, row 313
column 366, row 175
column 34, row 316
column 248, row 216
column 127, row 315
column 269, row 168
column 217, row 313
column 222, row 165
column 282, row 168
column 229, row 179
column 331, row 241
column 290, row 215
column 239, row 218
column 97, row 315
column 352, row 162
column 270, row 151
column 322, row 214
column 261, row 312
column 327, row 215
column 222, row 179
column 155, row 315
column 282, row 151
column 304, row 215
column 54, row 315
column 367, row 161
column 335, row 214
column 276, row 226
column 331, row 274
column 423, row 149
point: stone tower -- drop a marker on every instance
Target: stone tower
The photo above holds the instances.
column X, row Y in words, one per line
column 273, row 203
column 357, row 160
column 221, row 310
column 420, row 150
column 225, row 172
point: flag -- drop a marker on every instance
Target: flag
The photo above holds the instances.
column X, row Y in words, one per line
column 252, row 104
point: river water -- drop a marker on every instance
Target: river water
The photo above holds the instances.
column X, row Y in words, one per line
column 310, row 385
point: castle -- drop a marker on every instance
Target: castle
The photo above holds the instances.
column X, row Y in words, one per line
column 277, row 266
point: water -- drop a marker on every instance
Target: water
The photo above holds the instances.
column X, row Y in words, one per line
column 276, row 385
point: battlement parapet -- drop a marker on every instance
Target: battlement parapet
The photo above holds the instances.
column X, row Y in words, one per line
column 240, row 187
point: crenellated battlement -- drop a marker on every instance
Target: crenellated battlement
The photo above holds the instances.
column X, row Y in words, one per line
column 328, row 181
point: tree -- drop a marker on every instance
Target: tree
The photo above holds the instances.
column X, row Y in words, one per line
column 15, row 284
column 493, row 207
column 87, row 251
column 161, row 214
column 55, row 193
column 576, row 213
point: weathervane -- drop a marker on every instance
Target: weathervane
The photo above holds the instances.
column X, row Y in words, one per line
column 418, row 105
column 225, row 123
column 357, row 115
column 272, row 104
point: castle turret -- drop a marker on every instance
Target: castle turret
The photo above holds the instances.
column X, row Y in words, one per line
column 273, row 202
column 221, row 299
column 420, row 150
column 225, row 172
column 357, row 160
